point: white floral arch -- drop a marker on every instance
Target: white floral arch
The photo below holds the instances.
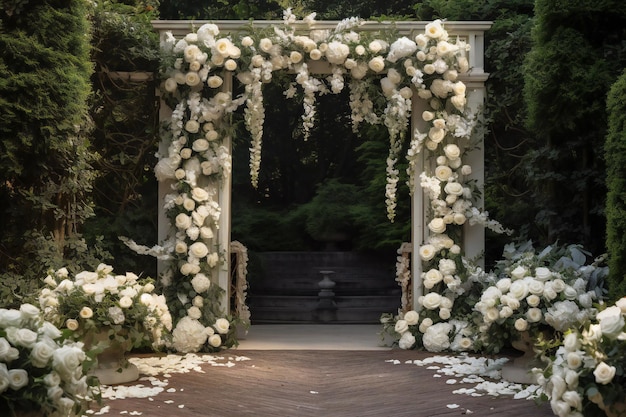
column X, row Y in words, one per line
column 433, row 80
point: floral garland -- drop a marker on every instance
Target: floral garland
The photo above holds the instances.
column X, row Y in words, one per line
column 196, row 159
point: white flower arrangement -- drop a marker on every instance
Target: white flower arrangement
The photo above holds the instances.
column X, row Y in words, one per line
column 41, row 369
column 536, row 293
column 585, row 371
column 93, row 301
column 426, row 67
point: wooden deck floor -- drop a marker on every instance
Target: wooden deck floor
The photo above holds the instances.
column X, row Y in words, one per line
column 318, row 383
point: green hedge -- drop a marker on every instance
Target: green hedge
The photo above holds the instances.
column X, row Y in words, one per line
column 615, row 151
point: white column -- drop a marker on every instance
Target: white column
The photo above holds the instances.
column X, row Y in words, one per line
column 224, row 200
column 419, row 202
column 474, row 236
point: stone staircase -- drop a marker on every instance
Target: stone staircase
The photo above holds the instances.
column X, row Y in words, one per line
column 285, row 288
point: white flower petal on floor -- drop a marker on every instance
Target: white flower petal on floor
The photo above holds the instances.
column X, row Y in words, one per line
column 474, row 370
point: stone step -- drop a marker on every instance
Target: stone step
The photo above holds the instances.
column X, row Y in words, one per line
column 305, row 309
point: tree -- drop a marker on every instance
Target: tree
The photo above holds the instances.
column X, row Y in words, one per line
column 46, row 169
column 615, row 153
column 577, row 54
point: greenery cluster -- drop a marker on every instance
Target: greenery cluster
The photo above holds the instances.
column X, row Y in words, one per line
column 46, row 163
column 578, row 53
column 124, row 110
column 615, row 154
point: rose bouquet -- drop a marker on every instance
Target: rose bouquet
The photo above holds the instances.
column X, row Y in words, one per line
column 550, row 291
column 585, row 374
column 123, row 305
column 40, row 369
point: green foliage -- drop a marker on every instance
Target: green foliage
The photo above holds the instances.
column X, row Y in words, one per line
column 578, row 53
column 615, row 154
column 45, row 162
column 220, row 9
column 125, row 113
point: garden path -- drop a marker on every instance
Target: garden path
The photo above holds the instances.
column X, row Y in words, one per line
column 344, row 382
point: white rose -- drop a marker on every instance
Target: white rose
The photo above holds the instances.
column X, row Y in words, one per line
column 571, row 342
column 543, row 273
column 295, row 57
column 222, row 325
column 458, row 102
column 401, row 326
column 506, row 312
column 315, row 54
column 533, row 300
column 411, row 317
column 621, row 303
column 443, row 172
column 534, row 315
column 519, row 272
column 452, row 151
column 213, row 259
column 247, row 41
column 437, row 225
column 86, row 313
column 570, row 293
column 181, row 247
column 431, row 301
column 453, row 188
column 611, row 321
column 215, row 81
column 126, row 302
column 427, row 252
column 170, row 85
column 192, row 79
column 519, row 289
column 199, row 194
column 459, row 218
column 521, row 325
column 376, row 64
column 436, row 134
column 21, row 337
column 41, row 353
column 189, row 269
column 215, row 340
column 71, row 324
column 18, row 378
column 183, row 221
column 192, row 126
column 230, row 65
column 194, row 312
column 503, row 284
column 434, row 30
column 604, row 373
column 66, row 360
column 375, row 46
column 199, row 250
column 535, row 286
column 574, row 360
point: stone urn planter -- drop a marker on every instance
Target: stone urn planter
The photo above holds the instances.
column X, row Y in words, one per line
column 113, row 367
column 518, row 369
